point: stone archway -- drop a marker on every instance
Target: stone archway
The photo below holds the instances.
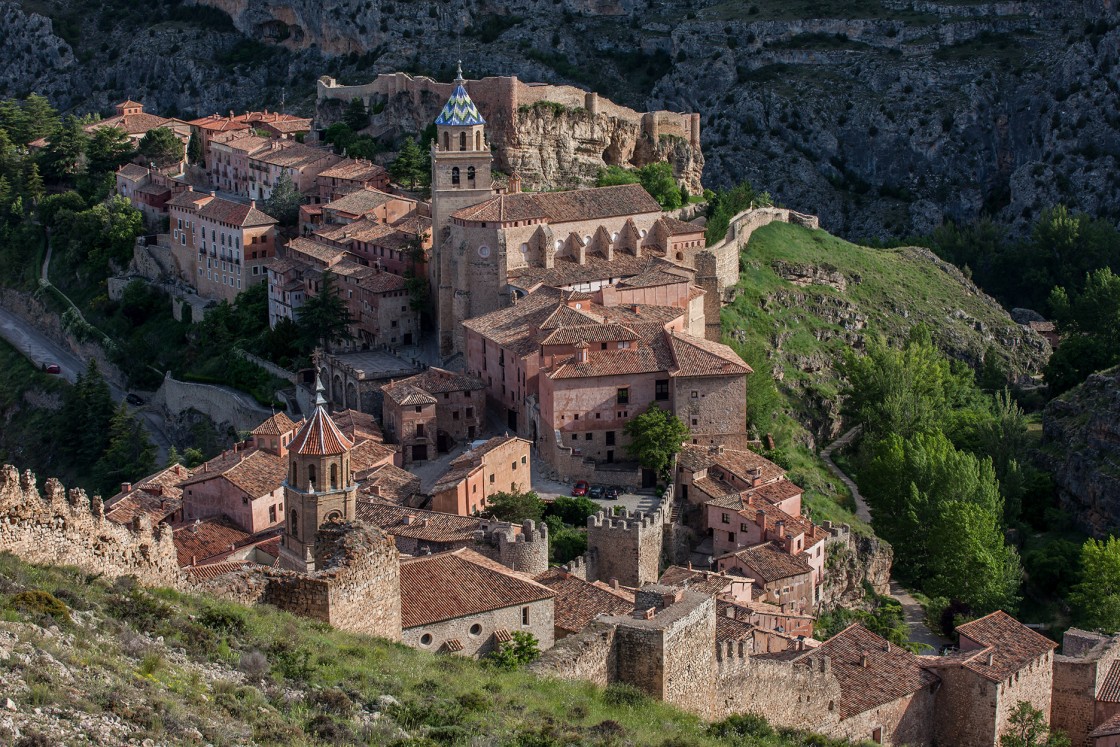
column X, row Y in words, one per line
column 351, row 396
column 338, row 394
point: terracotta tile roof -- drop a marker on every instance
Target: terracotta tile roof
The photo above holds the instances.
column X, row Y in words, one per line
column 133, row 124
column 777, row 491
column 679, row 227
column 291, row 125
column 308, row 249
column 200, row 540
column 271, row 118
column 389, row 483
column 738, row 462
column 564, row 207
column 151, row 188
column 243, row 142
column 438, row 381
column 360, row 201
column 271, row 547
column 143, row 503
column 132, row 171
column 1110, row 689
column 768, row 562
column 277, row 425
column 476, row 454
column 253, row 471
column 189, row 199
column 319, row 436
column 891, row 672
column 407, row 395
column 706, row 582
column 210, row 571
column 567, row 271
column 218, row 123
column 579, row 602
column 655, row 276
column 590, row 333
column 235, row 213
column 460, row 583
column 367, row 230
column 290, row 154
column 369, row 454
column 719, row 490
column 356, row 170
column 357, row 425
column 414, row 224
column 729, row 630
column 696, row 356
column 1109, row 728
column 373, row 280
column 1012, row 645
column 413, row 523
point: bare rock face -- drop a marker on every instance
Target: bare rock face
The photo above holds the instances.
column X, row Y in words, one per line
column 1081, row 446
column 866, row 562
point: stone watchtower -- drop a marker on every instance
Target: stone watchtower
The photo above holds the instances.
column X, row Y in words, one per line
column 461, row 162
column 626, row 547
column 320, row 488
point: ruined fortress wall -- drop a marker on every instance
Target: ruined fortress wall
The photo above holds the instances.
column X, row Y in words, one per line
column 906, row 721
column 739, row 233
column 587, row 656
column 220, row 404
column 795, row 697
column 67, row 528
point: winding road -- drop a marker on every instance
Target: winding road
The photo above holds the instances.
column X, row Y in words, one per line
column 912, row 611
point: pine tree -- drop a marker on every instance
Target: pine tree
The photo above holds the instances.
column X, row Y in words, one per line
column 194, row 150
column 409, row 166
column 324, row 318
column 161, row 146
column 283, row 203
column 33, row 184
column 130, row 455
column 108, row 148
column 355, row 116
column 173, row 457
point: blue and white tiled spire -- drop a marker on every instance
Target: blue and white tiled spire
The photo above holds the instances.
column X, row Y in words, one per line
column 459, row 109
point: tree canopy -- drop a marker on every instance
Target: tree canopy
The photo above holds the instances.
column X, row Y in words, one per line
column 657, row 179
column 655, row 438
column 410, row 166
column 324, row 318
column 514, row 506
column 283, row 203
column 130, row 454
column 1028, row 728
column 356, row 117
column 1097, row 597
column 1089, row 321
column 162, row 147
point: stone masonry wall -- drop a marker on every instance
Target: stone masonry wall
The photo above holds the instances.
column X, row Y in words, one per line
column 1073, row 699
column 907, row 721
column 626, row 547
column 541, row 625
column 967, row 704
column 220, row 404
column 796, row 697
column 587, row 656
column 68, row 528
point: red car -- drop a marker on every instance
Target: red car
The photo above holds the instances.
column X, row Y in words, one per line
column 580, row 488
column 52, row 368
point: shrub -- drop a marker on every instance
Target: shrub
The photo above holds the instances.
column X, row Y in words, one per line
column 522, row 649
column 40, row 604
column 621, row 694
column 225, row 620
column 333, row 700
column 742, row 725
column 254, row 664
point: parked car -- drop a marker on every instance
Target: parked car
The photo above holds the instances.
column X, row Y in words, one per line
column 596, row 493
column 580, row 488
column 133, row 399
column 611, row 494
column 52, row 368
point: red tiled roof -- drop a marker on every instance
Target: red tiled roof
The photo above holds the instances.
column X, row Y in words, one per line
column 413, row 523
column 352, row 169
column 389, row 483
column 460, row 583
column 1110, row 688
column 213, row 570
column 253, row 471
column 891, row 672
column 289, row 154
column 133, row 124
column 769, row 563
column 235, row 213
column 738, row 462
column 729, row 630
column 579, row 602
column 1012, row 645
column 561, row 207
column 706, row 582
column 189, row 199
column 1109, row 728
column 696, row 356
column 199, row 541
column 277, row 425
column 437, row 381
column 407, row 395
column 319, row 436
column 360, row 201
column 218, row 123
column 357, row 425
column 679, row 227
column 132, row 171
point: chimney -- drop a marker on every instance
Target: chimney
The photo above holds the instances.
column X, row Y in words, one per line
column 780, row 527
column 646, row 614
column 195, row 525
column 213, row 193
column 581, row 352
column 991, row 658
column 252, row 203
column 194, row 560
column 887, row 648
column 863, row 660
column 614, row 583
column 231, row 113
column 635, row 308
column 755, row 473
column 126, row 487
column 760, row 519
column 514, row 183
column 719, row 449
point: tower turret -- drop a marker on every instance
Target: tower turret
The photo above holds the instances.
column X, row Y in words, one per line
column 320, row 487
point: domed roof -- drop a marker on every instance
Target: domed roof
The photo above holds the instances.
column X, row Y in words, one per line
column 459, row 109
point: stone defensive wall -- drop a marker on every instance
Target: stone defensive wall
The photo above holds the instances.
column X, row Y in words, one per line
column 726, row 251
column 501, row 97
column 221, row 404
column 357, row 586
column 63, row 527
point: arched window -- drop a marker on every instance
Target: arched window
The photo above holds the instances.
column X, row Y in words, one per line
column 446, row 141
column 462, row 141
column 311, row 474
column 293, row 523
column 470, row 173
column 334, row 476
column 455, row 175
column 478, row 140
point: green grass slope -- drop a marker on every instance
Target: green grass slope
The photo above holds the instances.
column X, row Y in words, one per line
column 89, row 661
column 804, row 296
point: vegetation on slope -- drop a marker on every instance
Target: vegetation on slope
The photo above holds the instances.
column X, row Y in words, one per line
column 112, row 662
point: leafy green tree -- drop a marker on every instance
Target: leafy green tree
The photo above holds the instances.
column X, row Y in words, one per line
column 64, row 157
column 1089, row 321
column 522, row 649
column 33, row 187
column 162, row 147
column 514, row 506
column 324, row 318
column 658, row 180
column 726, row 204
column 1097, row 598
column 1028, row 728
column 283, row 203
column 410, row 166
column 573, row 510
column 356, row 117
column 194, row 150
column 655, row 438
column 88, row 409
column 130, row 455
column 108, row 148
column 566, row 543
column 615, row 175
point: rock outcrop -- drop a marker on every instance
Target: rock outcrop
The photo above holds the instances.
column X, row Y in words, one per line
column 1081, row 447
column 851, row 570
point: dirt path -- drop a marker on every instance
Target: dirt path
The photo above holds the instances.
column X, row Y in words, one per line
column 912, row 611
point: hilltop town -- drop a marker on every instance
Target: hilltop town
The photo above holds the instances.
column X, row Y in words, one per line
column 500, row 344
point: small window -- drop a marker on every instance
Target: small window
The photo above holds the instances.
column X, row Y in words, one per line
column 455, row 175
column 419, row 408
column 524, row 615
column 475, row 630
column 426, row 639
column 661, row 389
column 491, row 479
column 523, row 460
column 725, row 518
column 624, row 396
column 731, row 536
column 587, row 436
column 695, row 394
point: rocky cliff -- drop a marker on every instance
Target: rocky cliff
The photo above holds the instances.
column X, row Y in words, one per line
column 851, row 571
column 1081, row 447
column 881, row 116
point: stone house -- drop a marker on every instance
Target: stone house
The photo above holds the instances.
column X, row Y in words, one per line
column 391, row 484
column 147, row 190
column 782, row 579
column 349, row 175
column 157, row 496
column 278, row 125
column 501, row 464
column 244, row 483
column 205, row 129
column 202, row 542
column 225, row 244
column 460, row 406
column 464, row 603
column 299, row 162
column 417, row 531
column 1086, row 696
column 579, row 602
column 1000, row 663
column 409, row 419
column 229, row 160
column 131, row 117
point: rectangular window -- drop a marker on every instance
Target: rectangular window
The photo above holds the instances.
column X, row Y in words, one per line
column 610, row 438
column 470, row 412
column 272, row 513
column 419, row 429
column 491, row 479
column 624, row 396
column 180, row 223
column 524, row 615
column 725, row 518
column 661, row 389
column 523, row 460
column 587, row 436
column 455, row 415
column 731, row 536
column 695, row 394
column 513, row 465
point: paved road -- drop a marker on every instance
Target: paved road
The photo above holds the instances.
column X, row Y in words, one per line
column 40, row 349
column 912, row 611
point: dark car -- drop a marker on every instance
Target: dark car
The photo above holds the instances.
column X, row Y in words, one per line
column 611, row 494
column 52, row 368
column 580, row 488
column 596, row 493
column 133, row 399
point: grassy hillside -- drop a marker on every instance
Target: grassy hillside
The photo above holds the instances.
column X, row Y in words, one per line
column 805, row 296
column 87, row 661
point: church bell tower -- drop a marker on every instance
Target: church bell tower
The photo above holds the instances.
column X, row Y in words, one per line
column 319, row 488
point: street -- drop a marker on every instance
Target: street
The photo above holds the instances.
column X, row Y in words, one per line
column 40, row 350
